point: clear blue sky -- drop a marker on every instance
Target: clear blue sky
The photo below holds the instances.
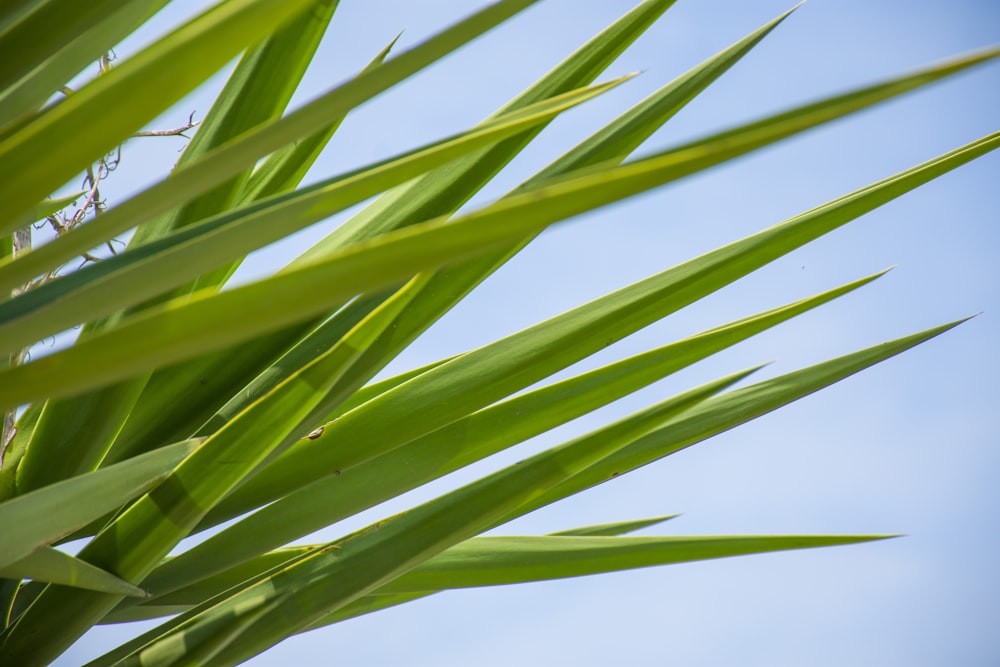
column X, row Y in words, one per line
column 908, row 447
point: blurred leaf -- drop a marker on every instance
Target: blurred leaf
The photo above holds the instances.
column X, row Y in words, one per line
column 69, row 136
column 218, row 369
column 176, row 331
column 275, row 379
column 450, row 284
column 283, row 169
column 36, row 34
column 439, row 192
column 101, row 26
column 168, row 262
column 99, row 416
column 258, row 91
column 187, row 183
column 54, row 205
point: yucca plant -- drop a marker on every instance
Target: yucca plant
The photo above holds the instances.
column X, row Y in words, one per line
column 261, row 410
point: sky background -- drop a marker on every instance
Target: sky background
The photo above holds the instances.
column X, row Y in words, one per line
column 907, row 447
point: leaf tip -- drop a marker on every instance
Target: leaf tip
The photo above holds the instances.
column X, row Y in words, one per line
column 885, row 271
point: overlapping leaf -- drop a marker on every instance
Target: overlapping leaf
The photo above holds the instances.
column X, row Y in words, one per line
column 61, row 142
column 249, row 98
column 75, row 502
column 179, row 330
column 331, row 577
column 451, row 284
column 136, row 541
column 103, row 25
column 444, row 450
column 171, row 261
column 444, row 189
column 714, row 416
column 222, row 164
column 306, row 340
column 53, row 566
column 478, row 378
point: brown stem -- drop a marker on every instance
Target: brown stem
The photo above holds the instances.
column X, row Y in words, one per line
column 175, row 132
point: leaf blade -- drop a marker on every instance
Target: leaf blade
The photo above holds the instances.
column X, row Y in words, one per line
column 69, row 136
column 55, row 567
column 333, row 576
column 170, row 262
column 216, row 168
column 171, row 333
column 729, row 410
column 73, row 503
column 311, row 507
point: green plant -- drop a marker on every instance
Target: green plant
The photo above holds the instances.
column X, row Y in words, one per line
column 145, row 430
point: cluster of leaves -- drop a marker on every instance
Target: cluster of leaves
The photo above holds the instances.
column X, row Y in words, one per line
column 145, row 431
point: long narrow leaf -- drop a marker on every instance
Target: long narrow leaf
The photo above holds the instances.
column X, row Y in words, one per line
column 332, row 577
column 50, row 25
column 53, row 566
column 478, row 378
column 444, row 190
column 151, row 269
column 284, row 169
column 729, row 410
column 377, row 602
column 99, row 416
column 450, row 284
column 202, row 592
column 24, row 426
column 684, row 549
column 175, row 332
column 75, row 502
column 258, row 91
column 223, row 163
column 614, row 528
column 249, row 98
column 136, row 540
column 69, row 136
column 440, row 452
column 496, row 561
column 264, row 563
column 113, row 22
column 703, row 152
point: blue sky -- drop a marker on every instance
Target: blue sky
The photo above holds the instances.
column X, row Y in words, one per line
column 907, row 447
